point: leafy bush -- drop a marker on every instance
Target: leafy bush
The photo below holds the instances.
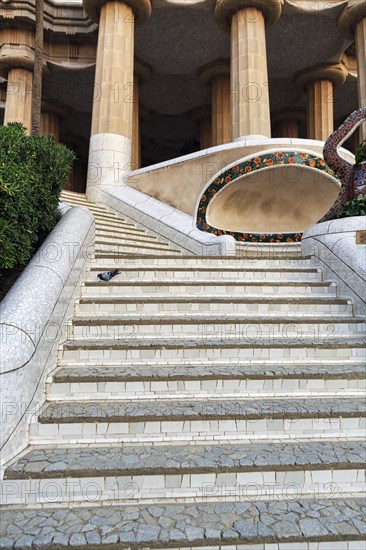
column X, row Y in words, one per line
column 355, row 207
column 360, row 153
column 33, row 171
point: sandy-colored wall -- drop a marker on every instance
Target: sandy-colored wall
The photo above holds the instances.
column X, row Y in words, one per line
column 179, row 183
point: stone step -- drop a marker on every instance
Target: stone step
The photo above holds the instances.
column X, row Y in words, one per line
column 113, row 327
column 55, row 462
column 118, row 224
column 143, row 473
column 251, row 372
column 192, row 524
column 210, row 287
column 228, row 273
column 214, row 409
column 114, row 236
column 127, row 251
column 206, row 420
column 198, row 262
column 213, row 348
column 123, row 226
column 127, row 242
column 250, row 304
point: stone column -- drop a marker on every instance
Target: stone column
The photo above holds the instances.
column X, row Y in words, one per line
column 50, row 124
column 141, row 74
column 288, row 121
column 203, row 117
column 18, row 104
column 352, row 25
column 218, row 75
column 16, row 66
column 250, row 111
column 112, row 115
column 319, row 83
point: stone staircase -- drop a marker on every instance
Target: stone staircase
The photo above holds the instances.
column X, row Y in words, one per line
column 197, row 402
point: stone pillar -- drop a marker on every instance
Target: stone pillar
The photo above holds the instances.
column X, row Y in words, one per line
column 319, row 83
column 141, row 74
column 205, row 132
column 250, row 111
column 18, row 104
column 352, row 25
column 112, row 115
column 50, row 124
column 218, row 75
column 288, row 121
column 203, row 117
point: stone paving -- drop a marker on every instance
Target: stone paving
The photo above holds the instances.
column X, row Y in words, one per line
column 250, row 409
column 145, row 460
column 205, row 523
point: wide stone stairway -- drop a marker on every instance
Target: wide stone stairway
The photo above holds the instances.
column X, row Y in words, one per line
column 214, row 402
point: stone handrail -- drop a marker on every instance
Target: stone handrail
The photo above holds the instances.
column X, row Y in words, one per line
column 32, row 320
column 333, row 245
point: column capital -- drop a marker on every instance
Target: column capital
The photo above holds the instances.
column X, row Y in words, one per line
column 335, row 73
column 16, row 50
column 225, row 9
column 219, row 67
column 140, row 8
column 352, row 14
column 142, row 70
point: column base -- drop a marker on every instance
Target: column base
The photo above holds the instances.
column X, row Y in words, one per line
column 109, row 161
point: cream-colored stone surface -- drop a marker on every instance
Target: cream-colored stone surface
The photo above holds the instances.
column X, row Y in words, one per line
column 18, row 106
column 361, row 69
column 221, row 132
column 113, row 89
column 50, row 124
column 250, row 113
column 320, row 109
column 181, row 183
column 283, row 199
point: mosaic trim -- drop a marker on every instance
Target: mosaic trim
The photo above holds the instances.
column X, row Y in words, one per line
column 256, row 163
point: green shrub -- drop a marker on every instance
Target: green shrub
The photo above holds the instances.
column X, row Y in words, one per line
column 360, row 153
column 33, row 171
column 355, row 207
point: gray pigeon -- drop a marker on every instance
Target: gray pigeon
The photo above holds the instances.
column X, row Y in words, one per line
column 107, row 275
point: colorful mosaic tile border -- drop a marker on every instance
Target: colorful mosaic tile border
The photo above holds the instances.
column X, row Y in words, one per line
column 256, row 163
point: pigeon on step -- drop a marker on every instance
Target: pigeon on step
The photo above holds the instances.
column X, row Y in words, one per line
column 107, row 275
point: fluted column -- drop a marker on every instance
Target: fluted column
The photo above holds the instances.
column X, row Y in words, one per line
column 352, row 25
column 288, row 121
column 319, row 83
column 141, row 74
column 18, row 104
column 250, row 111
column 205, row 132
column 203, row 117
column 112, row 115
column 50, row 124
column 217, row 74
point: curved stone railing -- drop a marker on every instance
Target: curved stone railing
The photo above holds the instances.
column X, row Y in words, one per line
column 333, row 245
column 32, row 320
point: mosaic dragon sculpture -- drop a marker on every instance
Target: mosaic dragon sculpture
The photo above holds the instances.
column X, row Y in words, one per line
column 352, row 176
